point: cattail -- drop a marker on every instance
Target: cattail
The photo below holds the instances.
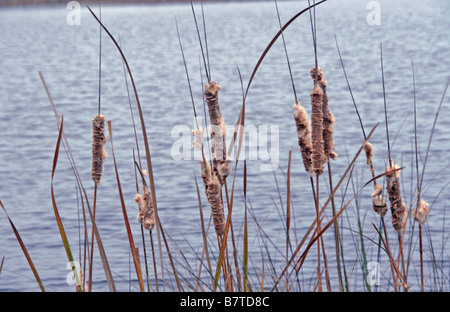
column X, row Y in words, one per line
column 98, row 147
column 399, row 209
column 368, row 148
column 216, row 119
column 215, row 178
column 317, row 130
column 378, row 201
column 223, row 170
column 328, row 118
column 221, row 163
column 304, row 135
column 146, row 215
column 214, row 199
column 420, row 213
column 205, row 173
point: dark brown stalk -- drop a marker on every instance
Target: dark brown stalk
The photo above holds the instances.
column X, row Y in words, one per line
column 288, row 210
column 125, row 217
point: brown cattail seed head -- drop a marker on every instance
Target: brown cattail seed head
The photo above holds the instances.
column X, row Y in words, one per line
column 320, row 77
column 378, row 201
column 368, row 148
column 146, row 215
column 420, row 213
column 398, row 209
column 328, row 118
column 223, row 169
column 98, row 147
column 214, row 199
column 304, row 135
column 206, row 170
column 317, row 130
column 212, row 99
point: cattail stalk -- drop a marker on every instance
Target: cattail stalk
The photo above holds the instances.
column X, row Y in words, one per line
column 98, row 147
column 399, row 209
column 420, row 214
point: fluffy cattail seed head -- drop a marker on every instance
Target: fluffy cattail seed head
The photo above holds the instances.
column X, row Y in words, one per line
column 146, row 215
column 378, row 201
column 304, row 135
column 420, row 213
column 320, row 77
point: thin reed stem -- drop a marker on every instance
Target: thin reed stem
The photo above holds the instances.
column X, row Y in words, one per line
column 385, row 106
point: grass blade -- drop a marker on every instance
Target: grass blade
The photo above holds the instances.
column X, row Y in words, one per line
column 125, row 217
column 25, row 251
column 55, row 208
column 245, row 253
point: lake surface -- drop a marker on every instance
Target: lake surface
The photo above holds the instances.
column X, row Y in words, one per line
column 41, row 39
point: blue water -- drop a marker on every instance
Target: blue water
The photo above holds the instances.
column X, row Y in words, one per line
column 40, row 39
